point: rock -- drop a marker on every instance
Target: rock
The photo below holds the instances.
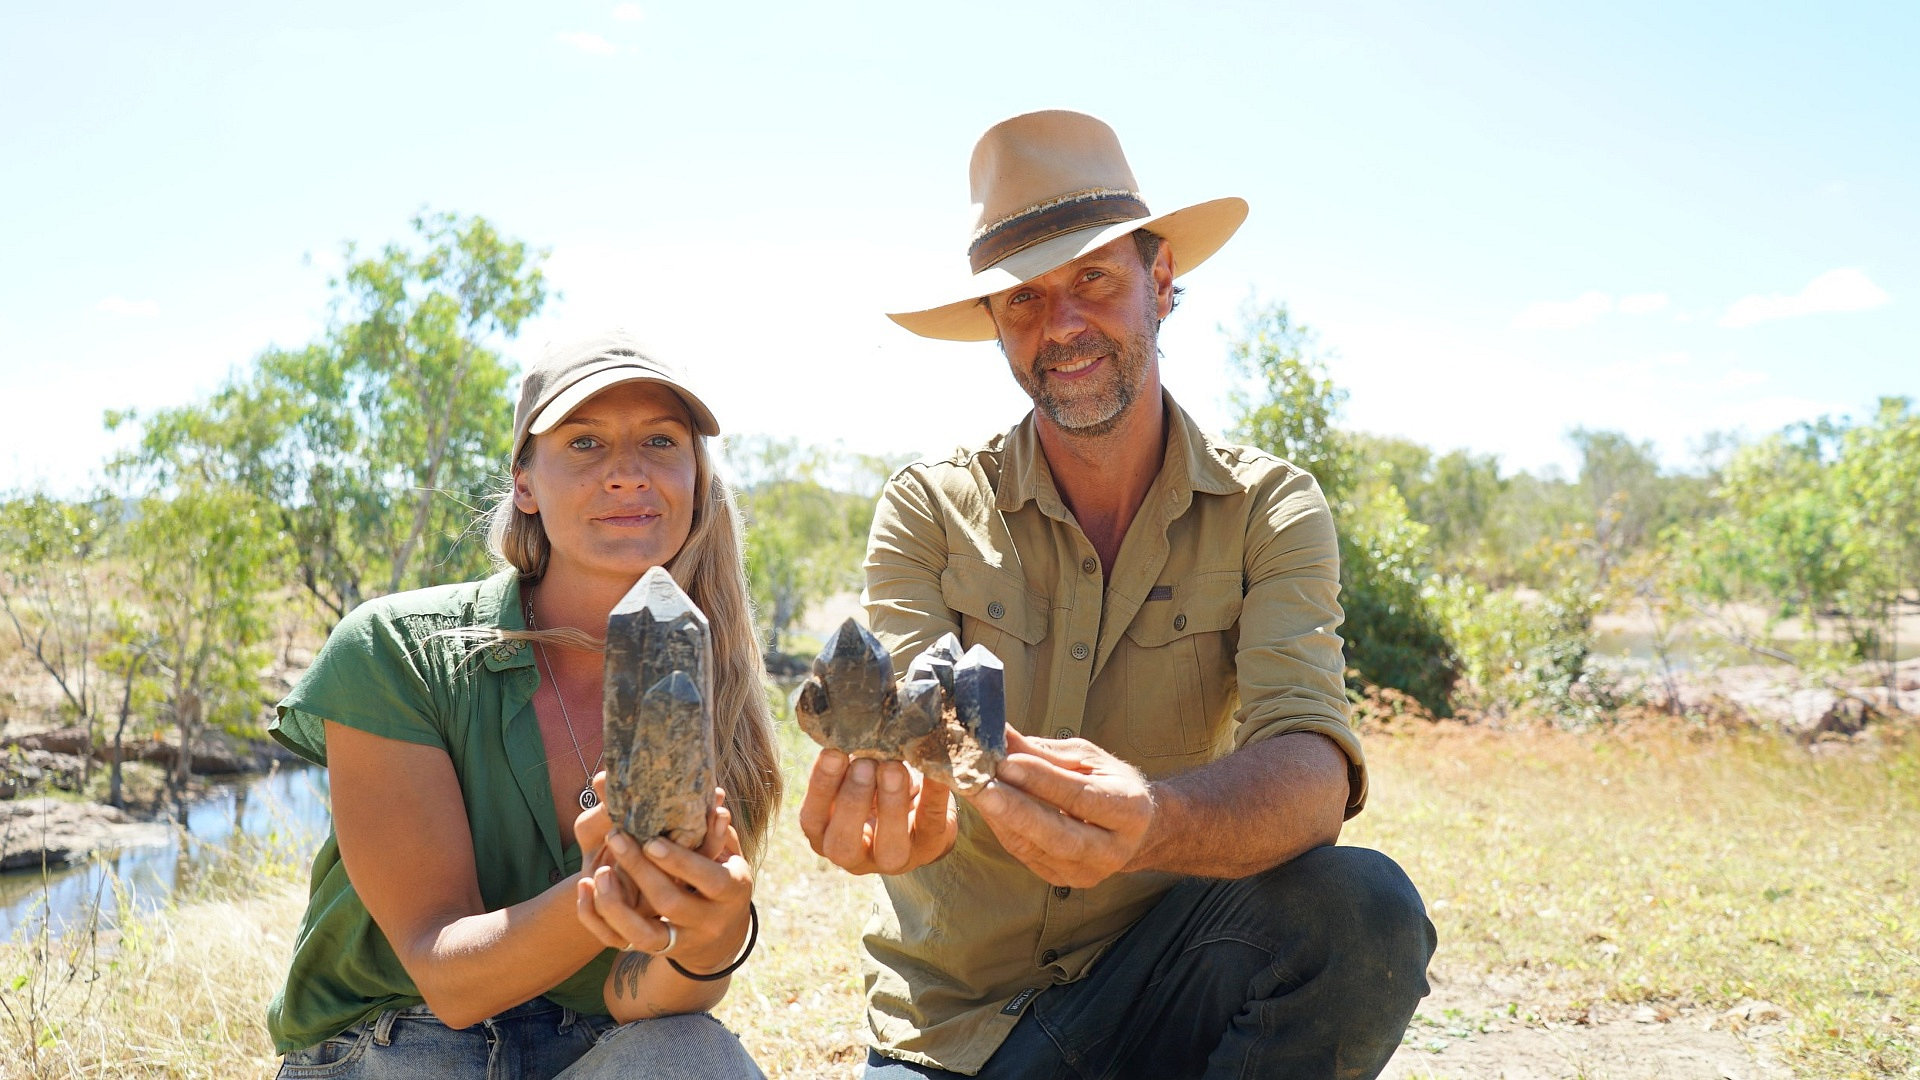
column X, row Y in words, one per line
column 66, row 740
column 948, row 718
column 657, row 713
column 59, row 832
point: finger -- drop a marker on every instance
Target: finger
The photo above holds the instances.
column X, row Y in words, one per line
column 823, row 787
column 718, row 818
column 892, row 831
column 934, row 818
column 1013, row 813
column 848, row 839
column 642, row 931
column 1070, row 753
column 1094, row 798
column 589, row 913
column 713, row 880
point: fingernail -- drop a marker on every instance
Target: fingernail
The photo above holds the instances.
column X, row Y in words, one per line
column 990, row 799
column 657, row 847
column 620, row 844
column 1011, row 771
column 833, row 762
column 863, row 771
column 892, row 779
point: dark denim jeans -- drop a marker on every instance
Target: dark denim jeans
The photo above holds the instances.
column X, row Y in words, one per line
column 1311, row 969
column 535, row 1041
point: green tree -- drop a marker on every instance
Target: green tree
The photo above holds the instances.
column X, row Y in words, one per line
column 204, row 559
column 55, row 594
column 805, row 539
column 1392, row 634
column 375, row 444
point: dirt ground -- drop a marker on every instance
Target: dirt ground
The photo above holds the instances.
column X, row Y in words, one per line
column 1473, row 1029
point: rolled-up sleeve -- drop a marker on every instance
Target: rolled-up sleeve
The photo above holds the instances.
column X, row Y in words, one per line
column 1289, row 662
column 906, row 553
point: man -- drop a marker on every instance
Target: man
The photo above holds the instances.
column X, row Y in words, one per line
column 1149, row 886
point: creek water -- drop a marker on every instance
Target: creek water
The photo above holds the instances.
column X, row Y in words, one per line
column 285, row 810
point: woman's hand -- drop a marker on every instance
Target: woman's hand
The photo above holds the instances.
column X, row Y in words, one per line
column 659, row 898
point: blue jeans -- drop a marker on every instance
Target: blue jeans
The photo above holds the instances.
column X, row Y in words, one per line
column 535, row 1041
column 1311, row 969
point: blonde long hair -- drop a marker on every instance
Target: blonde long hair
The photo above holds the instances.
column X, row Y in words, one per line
column 711, row 567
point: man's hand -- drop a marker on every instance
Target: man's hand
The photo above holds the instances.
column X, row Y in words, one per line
column 1072, row 812
column 876, row 817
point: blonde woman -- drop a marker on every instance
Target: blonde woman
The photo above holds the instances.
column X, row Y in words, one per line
column 472, row 915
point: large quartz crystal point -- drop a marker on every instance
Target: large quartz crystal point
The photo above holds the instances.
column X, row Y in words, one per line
column 849, row 703
column 975, row 751
column 658, row 713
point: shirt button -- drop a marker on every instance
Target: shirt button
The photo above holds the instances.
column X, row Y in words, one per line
column 1089, row 565
column 996, row 609
column 554, row 876
column 1049, row 956
column 1061, row 892
column 1179, row 622
column 1063, row 733
column 1080, row 650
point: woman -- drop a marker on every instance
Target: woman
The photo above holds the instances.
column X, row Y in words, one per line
column 450, row 928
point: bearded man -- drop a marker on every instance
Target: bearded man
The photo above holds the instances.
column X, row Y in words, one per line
column 1150, row 887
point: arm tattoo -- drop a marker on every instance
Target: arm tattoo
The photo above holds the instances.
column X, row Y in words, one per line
column 626, row 974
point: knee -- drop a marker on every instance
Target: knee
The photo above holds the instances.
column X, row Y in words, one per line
column 1362, row 904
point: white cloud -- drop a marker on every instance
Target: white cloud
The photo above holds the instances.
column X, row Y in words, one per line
column 1565, row 314
column 586, row 42
column 125, row 308
column 1845, row 289
column 1642, row 303
column 1738, row 379
column 628, row 12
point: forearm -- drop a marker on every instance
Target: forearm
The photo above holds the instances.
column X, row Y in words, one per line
column 1249, row 811
column 475, row 966
column 643, row 986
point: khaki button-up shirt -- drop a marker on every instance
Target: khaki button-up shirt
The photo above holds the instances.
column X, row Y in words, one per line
column 1216, row 630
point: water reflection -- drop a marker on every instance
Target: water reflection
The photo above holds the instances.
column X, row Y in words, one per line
column 289, row 805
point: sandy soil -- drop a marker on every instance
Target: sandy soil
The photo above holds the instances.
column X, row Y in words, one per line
column 1473, row 1029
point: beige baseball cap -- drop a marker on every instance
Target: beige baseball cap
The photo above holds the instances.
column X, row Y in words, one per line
column 570, row 372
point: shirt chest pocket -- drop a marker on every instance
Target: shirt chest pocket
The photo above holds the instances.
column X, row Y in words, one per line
column 997, row 611
column 1178, row 667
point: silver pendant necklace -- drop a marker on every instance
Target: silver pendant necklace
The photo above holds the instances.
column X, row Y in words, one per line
column 588, row 800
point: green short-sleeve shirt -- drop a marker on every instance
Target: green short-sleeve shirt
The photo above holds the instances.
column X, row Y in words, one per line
column 388, row 670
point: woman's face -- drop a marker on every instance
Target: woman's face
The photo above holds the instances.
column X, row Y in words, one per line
column 613, row 483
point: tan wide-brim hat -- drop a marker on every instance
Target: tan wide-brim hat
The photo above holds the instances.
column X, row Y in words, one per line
column 570, row 372
column 1048, row 187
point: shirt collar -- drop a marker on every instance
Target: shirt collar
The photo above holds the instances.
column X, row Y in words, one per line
column 1191, row 464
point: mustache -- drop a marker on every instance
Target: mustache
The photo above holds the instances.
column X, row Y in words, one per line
column 1054, row 354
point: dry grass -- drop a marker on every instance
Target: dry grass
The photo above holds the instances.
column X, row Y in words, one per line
column 1657, row 868
column 1591, row 868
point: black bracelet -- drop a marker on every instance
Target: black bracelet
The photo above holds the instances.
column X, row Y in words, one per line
column 753, row 935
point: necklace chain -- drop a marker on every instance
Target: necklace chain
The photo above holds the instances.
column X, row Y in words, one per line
column 588, row 800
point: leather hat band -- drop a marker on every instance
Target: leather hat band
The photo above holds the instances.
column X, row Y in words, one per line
column 1068, row 213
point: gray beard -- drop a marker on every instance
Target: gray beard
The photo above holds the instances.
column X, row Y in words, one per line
column 1072, row 416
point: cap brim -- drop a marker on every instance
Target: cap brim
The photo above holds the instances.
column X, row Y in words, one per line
column 1193, row 233
column 578, row 392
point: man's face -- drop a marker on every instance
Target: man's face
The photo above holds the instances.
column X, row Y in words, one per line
column 1081, row 341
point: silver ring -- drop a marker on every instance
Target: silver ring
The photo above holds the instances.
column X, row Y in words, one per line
column 673, row 935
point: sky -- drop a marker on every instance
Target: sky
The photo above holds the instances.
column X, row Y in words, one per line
column 1504, row 221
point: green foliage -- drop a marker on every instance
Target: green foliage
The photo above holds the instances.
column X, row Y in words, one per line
column 1392, row 636
column 375, row 445
column 805, row 539
column 1521, row 652
column 1292, row 411
column 204, row 558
